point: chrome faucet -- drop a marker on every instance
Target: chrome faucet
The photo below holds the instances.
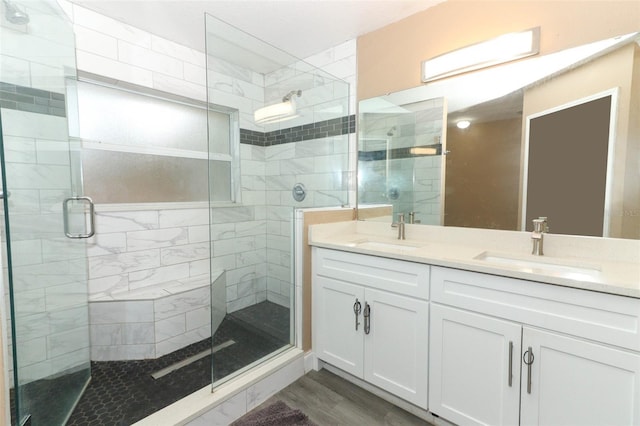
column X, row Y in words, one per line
column 400, row 225
column 412, row 218
column 540, row 227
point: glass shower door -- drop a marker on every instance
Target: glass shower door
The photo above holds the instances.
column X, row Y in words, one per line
column 47, row 282
column 45, row 272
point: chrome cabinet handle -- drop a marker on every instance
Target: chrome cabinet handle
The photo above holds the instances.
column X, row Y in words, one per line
column 357, row 308
column 65, row 214
column 367, row 318
column 528, row 359
column 510, row 372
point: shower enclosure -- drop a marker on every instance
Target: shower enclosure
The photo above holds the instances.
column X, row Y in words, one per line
column 293, row 129
column 182, row 270
column 44, row 272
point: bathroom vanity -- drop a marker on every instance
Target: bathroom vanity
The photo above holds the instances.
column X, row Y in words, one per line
column 466, row 324
column 388, row 349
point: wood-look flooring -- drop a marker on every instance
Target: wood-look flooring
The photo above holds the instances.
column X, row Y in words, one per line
column 331, row 400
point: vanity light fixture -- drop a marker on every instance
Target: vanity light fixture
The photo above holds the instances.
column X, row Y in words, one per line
column 282, row 111
column 423, row 150
column 463, row 124
column 505, row 48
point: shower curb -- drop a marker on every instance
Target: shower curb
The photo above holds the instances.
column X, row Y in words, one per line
column 234, row 398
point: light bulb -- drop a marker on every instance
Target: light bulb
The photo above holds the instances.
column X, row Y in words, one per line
column 463, row 124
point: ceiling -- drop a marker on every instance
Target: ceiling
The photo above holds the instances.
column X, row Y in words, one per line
column 299, row 27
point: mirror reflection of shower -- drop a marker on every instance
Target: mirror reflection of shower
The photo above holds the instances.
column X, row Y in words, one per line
column 392, row 192
column 15, row 14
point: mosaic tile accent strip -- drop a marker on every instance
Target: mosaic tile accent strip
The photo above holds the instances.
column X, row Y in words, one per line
column 321, row 129
column 21, row 98
column 251, row 137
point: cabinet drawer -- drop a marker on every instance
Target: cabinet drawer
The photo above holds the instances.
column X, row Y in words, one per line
column 601, row 317
column 397, row 276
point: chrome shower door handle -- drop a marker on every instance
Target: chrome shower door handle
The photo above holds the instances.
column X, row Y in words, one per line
column 65, row 215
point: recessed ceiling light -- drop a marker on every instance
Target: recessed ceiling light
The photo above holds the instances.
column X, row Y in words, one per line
column 463, row 124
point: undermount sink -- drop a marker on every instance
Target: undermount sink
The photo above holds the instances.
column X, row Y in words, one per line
column 384, row 245
column 538, row 263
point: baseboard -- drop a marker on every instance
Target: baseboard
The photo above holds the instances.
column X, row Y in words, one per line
column 310, row 362
column 398, row 402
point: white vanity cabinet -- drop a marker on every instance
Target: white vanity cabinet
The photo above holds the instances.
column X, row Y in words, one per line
column 389, row 347
column 577, row 382
column 585, row 368
column 474, row 367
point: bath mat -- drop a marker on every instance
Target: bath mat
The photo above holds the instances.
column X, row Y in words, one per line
column 276, row 414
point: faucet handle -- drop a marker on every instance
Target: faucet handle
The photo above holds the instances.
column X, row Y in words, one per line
column 412, row 217
column 400, row 226
column 545, row 223
column 540, row 224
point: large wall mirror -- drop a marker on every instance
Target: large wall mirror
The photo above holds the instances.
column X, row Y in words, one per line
column 556, row 135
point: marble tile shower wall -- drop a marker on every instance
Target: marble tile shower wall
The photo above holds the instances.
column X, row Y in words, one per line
column 144, row 251
column 139, row 263
column 323, row 98
column 252, row 241
column 340, row 61
column 134, row 249
column 111, row 49
column 321, row 164
column 262, row 267
column 236, row 87
column 270, row 172
column 50, row 298
column 22, row 61
column 49, row 285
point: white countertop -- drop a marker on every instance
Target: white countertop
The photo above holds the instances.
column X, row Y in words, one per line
column 604, row 265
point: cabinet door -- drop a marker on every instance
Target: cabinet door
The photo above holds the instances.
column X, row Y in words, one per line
column 575, row 382
column 474, row 368
column 336, row 338
column 396, row 348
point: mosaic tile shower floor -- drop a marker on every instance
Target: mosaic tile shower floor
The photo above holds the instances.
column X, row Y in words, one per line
column 123, row 392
